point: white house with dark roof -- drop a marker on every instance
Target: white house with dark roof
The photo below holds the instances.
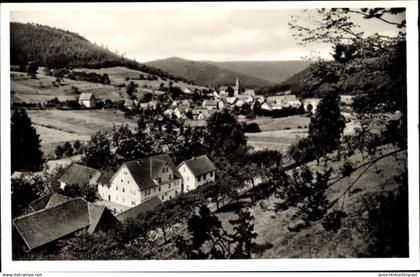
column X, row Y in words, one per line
column 196, row 172
column 138, row 180
column 87, row 100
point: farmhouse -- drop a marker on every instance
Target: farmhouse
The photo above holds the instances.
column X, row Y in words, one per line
column 77, row 174
column 59, row 219
column 139, row 180
column 196, row 171
column 87, row 100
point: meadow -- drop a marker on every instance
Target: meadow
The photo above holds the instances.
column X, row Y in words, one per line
column 57, row 126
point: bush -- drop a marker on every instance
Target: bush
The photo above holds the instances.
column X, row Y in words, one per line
column 252, row 128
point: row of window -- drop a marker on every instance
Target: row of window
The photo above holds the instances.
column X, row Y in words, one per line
column 123, row 200
column 159, row 188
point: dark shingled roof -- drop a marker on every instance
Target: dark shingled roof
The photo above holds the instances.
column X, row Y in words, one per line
column 79, row 175
column 46, row 225
column 199, row 165
column 142, row 208
column 105, row 178
column 144, row 170
column 48, row 201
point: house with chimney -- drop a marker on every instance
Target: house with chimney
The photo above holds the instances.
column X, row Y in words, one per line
column 196, row 172
column 139, row 180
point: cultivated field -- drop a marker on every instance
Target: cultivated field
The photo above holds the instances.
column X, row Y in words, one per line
column 56, row 126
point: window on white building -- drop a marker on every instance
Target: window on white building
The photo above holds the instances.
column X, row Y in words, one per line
column 204, row 177
column 163, row 197
column 159, row 188
column 198, row 178
column 170, row 176
column 176, row 192
column 211, row 174
column 123, row 189
column 116, row 187
column 166, row 193
column 169, row 185
column 170, row 197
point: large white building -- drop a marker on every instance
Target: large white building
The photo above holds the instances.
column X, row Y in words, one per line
column 139, row 180
column 196, row 172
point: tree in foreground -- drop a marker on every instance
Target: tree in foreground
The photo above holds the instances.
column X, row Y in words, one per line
column 97, row 152
column 26, row 144
column 327, row 124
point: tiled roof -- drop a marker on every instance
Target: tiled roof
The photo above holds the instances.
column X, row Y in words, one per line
column 142, row 208
column 80, row 175
column 105, row 178
column 48, row 201
column 199, row 165
column 144, row 170
column 47, row 225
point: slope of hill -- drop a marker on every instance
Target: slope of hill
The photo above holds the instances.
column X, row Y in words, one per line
column 204, row 73
column 56, row 48
column 271, row 71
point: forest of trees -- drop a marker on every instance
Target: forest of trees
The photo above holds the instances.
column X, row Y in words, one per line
column 55, row 48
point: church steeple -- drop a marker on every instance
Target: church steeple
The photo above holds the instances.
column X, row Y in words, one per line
column 237, row 87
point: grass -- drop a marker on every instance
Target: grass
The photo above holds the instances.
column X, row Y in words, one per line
column 56, row 127
column 314, row 242
column 41, row 90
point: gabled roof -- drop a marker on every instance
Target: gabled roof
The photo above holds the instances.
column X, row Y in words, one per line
column 231, row 100
column 133, row 213
column 147, row 169
column 47, row 225
column 80, row 175
column 199, row 165
column 105, row 178
column 86, row 96
column 48, row 201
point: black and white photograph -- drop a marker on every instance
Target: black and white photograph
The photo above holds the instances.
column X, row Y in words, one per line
column 236, row 132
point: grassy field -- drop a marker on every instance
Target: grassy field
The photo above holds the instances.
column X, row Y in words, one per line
column 276, row 241
column 56, row 126
column 280, row 133
column 40, row 90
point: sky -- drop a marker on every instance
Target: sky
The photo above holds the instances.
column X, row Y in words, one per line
column 210, row 34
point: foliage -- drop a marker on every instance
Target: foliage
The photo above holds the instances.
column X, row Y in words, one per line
column 327, row 124
column 209, row 240
column 226, row 135
column 251, row 128
column 332, row 221
column 26, row 189
column 386, row 221
column 56, row 48
column 306, row 193
column 86, row 191
column 131, row 145
column 25, row 149
column 243, row 235
column 32, row 69
column 97, row 151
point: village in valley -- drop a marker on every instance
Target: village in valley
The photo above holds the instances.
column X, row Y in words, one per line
column 113, row 159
